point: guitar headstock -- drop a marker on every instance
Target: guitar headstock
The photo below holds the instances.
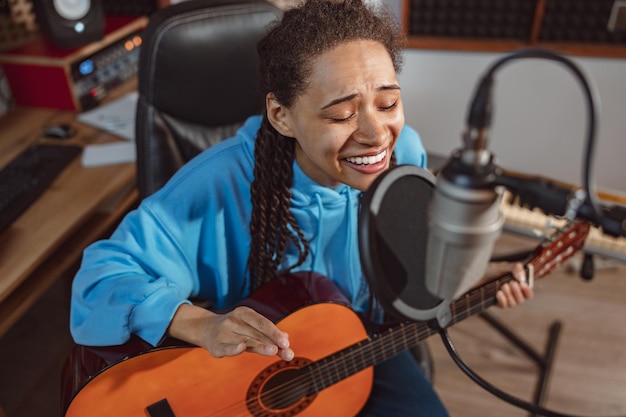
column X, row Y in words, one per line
column 559, row 247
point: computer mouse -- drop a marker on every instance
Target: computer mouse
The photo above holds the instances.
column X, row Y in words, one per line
column 59, row 131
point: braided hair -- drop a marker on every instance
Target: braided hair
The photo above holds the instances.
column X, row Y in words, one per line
column 286, row 54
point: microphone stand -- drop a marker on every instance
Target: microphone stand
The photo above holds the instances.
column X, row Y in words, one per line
column 545, row 360
column 479, row 121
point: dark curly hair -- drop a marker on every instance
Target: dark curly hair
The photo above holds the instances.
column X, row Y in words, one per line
column 286, row 54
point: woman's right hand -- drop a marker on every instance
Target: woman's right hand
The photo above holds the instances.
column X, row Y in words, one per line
column 230, row 334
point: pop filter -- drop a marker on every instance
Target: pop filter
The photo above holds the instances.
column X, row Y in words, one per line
column 393, row 232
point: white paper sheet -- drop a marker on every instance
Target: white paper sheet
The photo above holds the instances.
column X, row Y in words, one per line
column 108, row 154
column 116, row 117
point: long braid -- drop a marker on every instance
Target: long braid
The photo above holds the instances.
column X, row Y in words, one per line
column 272, row 223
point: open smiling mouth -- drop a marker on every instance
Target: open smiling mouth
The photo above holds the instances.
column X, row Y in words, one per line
column 367, row 160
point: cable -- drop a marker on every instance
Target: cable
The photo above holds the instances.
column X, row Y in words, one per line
column 533, row 408
column 479, row 114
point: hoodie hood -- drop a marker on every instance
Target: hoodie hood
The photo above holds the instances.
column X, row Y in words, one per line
column 329, row 219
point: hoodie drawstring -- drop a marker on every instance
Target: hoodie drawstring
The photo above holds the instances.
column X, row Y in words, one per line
column 352, row 229
column 317, row 257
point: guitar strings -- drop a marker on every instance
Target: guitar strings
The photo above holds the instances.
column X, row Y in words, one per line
column 325, row 371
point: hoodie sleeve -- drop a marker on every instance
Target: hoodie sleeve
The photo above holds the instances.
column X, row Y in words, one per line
column 409, row 149
column 133, row 282
column 130, row 283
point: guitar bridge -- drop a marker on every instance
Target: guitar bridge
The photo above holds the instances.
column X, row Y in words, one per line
column 160, row 409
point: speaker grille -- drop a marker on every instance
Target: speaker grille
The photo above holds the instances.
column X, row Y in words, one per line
column 483, row 19
column 579, row 21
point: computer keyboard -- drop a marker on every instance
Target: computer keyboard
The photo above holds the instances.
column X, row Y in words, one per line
column 28, row 175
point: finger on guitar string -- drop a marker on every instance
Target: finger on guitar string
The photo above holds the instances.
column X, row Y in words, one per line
column 243, row 329
column 514, row 292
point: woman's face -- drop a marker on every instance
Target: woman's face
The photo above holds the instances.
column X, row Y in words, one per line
column 347, row 122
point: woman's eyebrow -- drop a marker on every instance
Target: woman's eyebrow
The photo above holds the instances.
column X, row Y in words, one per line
column 339, row 100
column 389, row 87
column 351, row 96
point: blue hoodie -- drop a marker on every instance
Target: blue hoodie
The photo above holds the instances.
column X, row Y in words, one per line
column 191, row 240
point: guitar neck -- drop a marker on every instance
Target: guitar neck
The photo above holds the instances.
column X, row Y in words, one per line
column 397, row 339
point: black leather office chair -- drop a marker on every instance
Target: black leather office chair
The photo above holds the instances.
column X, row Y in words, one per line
column 198, row 81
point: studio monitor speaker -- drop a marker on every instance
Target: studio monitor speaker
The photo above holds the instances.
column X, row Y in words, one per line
column 71, row 23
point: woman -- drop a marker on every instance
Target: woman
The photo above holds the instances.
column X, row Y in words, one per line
column 281, row 196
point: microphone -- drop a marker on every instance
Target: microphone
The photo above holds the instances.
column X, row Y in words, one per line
column 464, row 214
column 564, row 201
column 465, row 217
column 465, row 222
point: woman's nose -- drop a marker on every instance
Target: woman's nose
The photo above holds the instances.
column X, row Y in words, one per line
column 370, row 130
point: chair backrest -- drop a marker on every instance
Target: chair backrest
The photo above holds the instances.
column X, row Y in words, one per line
column 198, row 81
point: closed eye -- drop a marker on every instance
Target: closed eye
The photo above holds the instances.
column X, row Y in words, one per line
column 341, row 119
column 390, row 107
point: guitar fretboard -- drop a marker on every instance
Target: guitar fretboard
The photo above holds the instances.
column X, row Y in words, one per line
column 383, row 346
column 532, row 223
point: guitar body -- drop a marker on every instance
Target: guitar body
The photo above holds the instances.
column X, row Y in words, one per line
column 195, row 384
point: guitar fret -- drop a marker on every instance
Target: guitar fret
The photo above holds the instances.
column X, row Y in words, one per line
column 355, row 365
column 313, row 372
column 359, row 356
column 326, row 372
column 321, row 375
column 482, row 296
column 393, row 342
column 379, row 346
column 405, row 341
column 332, row 372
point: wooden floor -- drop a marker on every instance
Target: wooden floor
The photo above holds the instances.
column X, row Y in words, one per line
column 589, row 376
column 589, row 367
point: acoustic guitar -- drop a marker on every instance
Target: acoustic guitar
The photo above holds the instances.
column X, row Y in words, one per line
column 331, row 374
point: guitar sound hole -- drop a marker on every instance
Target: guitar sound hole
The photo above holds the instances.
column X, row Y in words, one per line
column 282, row 389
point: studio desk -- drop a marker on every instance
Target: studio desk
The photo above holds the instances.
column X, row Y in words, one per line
column 82, row 205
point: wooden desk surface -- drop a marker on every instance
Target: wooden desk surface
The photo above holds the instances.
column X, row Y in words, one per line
column 80, row 206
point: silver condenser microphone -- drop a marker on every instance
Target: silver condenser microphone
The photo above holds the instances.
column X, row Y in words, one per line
column 464, row 216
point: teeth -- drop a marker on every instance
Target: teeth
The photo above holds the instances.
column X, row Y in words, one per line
column 367, row 160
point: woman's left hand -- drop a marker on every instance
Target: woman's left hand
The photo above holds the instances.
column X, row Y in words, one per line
column 514, row 292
